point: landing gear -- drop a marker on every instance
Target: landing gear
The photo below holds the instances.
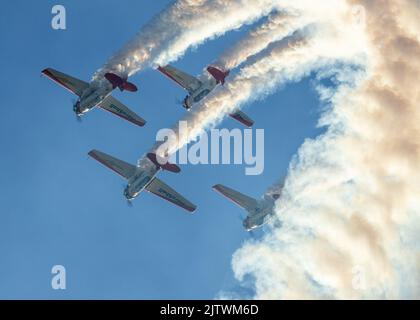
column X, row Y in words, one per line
column 76, row 109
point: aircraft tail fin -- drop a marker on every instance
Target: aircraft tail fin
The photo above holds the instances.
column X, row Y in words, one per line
column 123, row 168
column 240, row 199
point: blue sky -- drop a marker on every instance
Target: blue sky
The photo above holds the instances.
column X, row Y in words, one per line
column 59, row 207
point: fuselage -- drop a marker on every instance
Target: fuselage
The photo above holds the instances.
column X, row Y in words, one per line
column 261, row 215
column 207, row 86
column 145, row 173
column 91, row 97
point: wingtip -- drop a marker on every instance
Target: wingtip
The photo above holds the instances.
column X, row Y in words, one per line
column 93, row 153
column 46, row 71
column 217, row 187
column 139, row 123
column 192, row 210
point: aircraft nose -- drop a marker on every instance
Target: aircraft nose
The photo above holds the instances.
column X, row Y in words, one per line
column 127, row 194
column 185, row 103
column 76, row 108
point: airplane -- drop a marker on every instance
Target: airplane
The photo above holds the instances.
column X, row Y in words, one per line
column 91, row 95
column 259, row 211
column 200, row 87
column 143, row 177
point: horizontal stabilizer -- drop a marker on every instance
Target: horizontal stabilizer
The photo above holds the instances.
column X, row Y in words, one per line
column 119, row 82
column 118, row 108
column 242, row 118
column 159, row 188
column 248, row 203
column 128, row 86
column 218, row 74
column 163, row 163
column 72, row 84
column 123, row 168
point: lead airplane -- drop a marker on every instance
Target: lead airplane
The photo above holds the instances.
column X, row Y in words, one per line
column 143, row 177
column 200, row 87
column 92, row 95
column 259, row 211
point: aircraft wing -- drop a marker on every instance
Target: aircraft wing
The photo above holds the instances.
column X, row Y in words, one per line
column 159, row 188
column 116, row 107
column 242, row 118
column 123, row 168
column 248, row 203
column 185, row 80
column 74, row 85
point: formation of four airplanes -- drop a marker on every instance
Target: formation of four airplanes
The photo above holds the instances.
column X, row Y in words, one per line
column 143, row 176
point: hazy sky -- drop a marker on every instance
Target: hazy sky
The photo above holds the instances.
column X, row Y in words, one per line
column 59, row 207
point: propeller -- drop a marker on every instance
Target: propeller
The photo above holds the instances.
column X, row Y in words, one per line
column 252, row 234
column 78, row 117
column 179, row 101
column 276, row 223
column 240, row 216
column 129, row 202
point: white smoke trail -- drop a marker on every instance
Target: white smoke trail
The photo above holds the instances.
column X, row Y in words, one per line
column 184, row 24
column 285, row 61
column 278, row 26
column 240, row 89
column 350, row 211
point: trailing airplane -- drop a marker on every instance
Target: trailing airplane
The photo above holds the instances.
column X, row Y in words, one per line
column 143, row 177
column 259, row 211
column 200, row 87
column 92, row 95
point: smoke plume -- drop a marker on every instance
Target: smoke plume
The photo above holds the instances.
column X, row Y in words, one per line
column 349, row 211
column 183, row 24
column 288, row 59
column 350, row 208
